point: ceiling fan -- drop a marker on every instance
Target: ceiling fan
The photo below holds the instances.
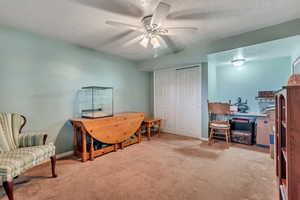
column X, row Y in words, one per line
column 153, row 32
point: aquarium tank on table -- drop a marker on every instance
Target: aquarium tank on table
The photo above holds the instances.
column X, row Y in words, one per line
column 96, row 102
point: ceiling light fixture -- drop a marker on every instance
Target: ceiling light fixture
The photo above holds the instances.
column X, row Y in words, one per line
column 155, row 43
column 238, row 62
column 145, row 41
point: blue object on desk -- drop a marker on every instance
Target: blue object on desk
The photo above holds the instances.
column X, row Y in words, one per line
column 272, row 141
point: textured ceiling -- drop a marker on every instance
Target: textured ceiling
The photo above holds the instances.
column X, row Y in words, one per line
column 267, row 50
column 82, row 22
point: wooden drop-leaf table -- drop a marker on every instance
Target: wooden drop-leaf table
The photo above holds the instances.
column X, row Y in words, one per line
column 116, row 132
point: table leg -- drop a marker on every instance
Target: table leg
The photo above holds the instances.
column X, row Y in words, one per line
column 92, row 149
column 75, row 138
column 148, row 131
column 139, row 135
column 158, row 132
column 83, row 138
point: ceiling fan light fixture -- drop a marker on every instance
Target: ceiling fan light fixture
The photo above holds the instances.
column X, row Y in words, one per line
column 155, row 43
column 144, row 42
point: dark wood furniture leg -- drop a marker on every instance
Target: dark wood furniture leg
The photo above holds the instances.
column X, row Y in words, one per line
column 158, row 132
column 75, row 138
column 53, row 162
column 148, row 131
column 211, row 136
column 92, row 149
column 139, row 135
column 84, row 151
column 8, row 187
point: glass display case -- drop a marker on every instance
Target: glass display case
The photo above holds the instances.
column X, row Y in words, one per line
column 96, row 102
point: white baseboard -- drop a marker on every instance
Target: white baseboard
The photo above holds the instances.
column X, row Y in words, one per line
column 64, row 154
column 204, row 139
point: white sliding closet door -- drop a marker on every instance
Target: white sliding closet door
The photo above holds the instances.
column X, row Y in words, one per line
column 164, row 99
column 188, row 105
column 177, row 100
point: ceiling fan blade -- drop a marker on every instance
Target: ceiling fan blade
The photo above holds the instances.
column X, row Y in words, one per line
column 126, row 8
column 174, row 30
column 124, row 25
column 133, row 41
column 182, row 28
column 160, row 13
column 194, row 14
column 168, row 42
column 162, row 41
column 117, row 38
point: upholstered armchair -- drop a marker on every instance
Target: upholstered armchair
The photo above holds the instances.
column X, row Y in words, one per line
column 20, row 151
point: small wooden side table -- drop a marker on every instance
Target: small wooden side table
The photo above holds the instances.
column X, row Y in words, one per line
column 151, row 122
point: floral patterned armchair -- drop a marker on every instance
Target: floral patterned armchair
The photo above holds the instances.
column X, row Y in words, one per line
column 20, row 151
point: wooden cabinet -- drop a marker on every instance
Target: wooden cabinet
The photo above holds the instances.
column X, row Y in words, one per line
column 288, row 142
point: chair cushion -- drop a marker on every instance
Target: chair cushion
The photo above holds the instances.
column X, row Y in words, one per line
column 31, row 139
column 219, row 125
column 15, row 162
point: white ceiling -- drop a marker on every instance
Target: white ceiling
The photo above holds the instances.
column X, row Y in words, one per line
column 267, row 50
column 82, row 22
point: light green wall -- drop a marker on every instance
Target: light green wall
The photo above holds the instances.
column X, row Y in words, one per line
column 254, row 76
column 40, row 78
column 212, row 81
column 204, row 98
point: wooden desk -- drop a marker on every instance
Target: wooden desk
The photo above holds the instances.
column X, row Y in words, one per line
column 151, row 122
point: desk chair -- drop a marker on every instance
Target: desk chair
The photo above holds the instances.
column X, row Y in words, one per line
column 219, row 128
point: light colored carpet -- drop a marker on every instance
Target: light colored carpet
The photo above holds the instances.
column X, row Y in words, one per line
column 165, row 168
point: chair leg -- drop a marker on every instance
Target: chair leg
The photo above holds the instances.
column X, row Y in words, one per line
column 227, row 137
column 53, row 162
column 8, row 187
column 211, row 136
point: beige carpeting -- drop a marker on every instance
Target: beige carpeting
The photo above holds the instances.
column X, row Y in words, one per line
column 165, row 168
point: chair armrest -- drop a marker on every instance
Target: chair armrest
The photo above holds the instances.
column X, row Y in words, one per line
column 32, row 139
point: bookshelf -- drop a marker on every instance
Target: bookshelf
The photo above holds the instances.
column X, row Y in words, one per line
column 288, row 142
